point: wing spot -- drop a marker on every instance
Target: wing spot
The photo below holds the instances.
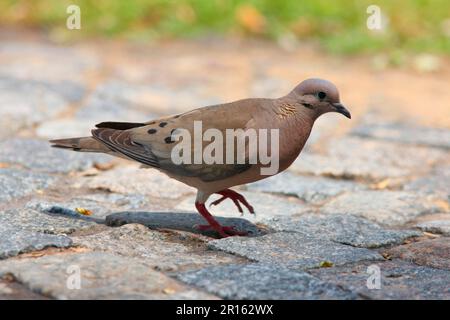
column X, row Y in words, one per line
column 168, row 140
column 152, row 131
column 163, row 124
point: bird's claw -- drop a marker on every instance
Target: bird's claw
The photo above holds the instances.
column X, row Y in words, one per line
column 237, row 200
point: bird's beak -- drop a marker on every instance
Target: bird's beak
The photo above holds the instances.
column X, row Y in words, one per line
column 342, row 110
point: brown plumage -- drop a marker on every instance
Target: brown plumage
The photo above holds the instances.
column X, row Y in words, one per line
column 151, row 143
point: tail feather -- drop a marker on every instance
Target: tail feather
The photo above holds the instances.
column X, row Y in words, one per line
column 83, row 144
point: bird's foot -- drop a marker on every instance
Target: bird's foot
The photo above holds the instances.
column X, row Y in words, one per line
column 237, row 198
column 224, row 231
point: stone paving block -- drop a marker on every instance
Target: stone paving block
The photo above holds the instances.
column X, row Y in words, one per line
column 25, row 103
column 11, row 290
column 18, row 183
column 399, row 280
column 14, row 241
column 143, row 100
column 307, row 188
column 98, row 211
column 100, row 205
column 259, row 281
column 34, row 60
column 158, row 249
column 345, row 229
column 359, row 158
column 183, row 221
column 64, row 128
column 116, row 100
column 436, row 226
column 386, row 207
column 294, row 250
column 405, row 134
column 40, row 221
column 436, row 183
column 39, row 156
column 102, row 276
column 265, row 205
column 105, row 104
column 134, row 180
column 433, row 253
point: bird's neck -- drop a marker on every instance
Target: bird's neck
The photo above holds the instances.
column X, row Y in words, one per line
column 295, row 124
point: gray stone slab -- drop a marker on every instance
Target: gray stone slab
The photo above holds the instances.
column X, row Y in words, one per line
column 386, row 207
column 436, row 226
column 64, row 128
column 35, row 61
column 40, row 221
column 12, row 290
column 399, row 280
column 14, row 241
column 360, row 158
column 142, row 100
column 163, row 251
column 183, row 221
column 117, row 101
column 100, row 205
column 39, row 156
column 265, row 206
column 405, row 133
column 292, row 249
column 308, row 188
column 345, row 229
column 259, row 281
column 436, row 183
column 134, row 180
column 434, row 253
column 102, row 276
column 18, row 183
column 25, row 103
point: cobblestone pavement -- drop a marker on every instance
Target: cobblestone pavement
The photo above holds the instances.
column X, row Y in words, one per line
column 366, row 195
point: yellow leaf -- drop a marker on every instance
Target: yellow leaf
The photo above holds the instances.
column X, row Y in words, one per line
column 382, row 184
column 168, row 291
column 326, row 264
column 83, row 211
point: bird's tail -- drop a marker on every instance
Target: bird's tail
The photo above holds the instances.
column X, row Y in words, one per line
column 84, row 144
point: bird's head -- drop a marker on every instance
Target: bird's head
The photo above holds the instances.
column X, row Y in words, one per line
column 318, row 96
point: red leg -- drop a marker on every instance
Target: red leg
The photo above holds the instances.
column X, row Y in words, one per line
column 224, row 231
column 237, row 198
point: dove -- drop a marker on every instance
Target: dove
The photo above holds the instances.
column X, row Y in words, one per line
column 152, row 143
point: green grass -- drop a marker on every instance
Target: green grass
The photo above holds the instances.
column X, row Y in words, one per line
column 339, row 26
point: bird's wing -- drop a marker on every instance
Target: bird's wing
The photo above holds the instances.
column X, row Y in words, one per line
column 152, row 143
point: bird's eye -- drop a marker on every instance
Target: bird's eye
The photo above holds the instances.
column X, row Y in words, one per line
column 321, row 95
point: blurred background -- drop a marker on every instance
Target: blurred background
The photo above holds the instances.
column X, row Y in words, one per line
column 139, row 59
column 337, row 26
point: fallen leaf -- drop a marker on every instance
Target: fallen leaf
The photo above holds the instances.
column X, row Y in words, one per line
column 381, row 185
column 326, row 264
column 83, row 211
column 104, row 166
column 169, row 291
column 387, row 256
column 431, row 235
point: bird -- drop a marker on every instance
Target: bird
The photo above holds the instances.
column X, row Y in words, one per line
column 152, row 143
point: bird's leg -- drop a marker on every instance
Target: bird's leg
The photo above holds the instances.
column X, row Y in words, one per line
column 224, row 231
column 237, row 198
